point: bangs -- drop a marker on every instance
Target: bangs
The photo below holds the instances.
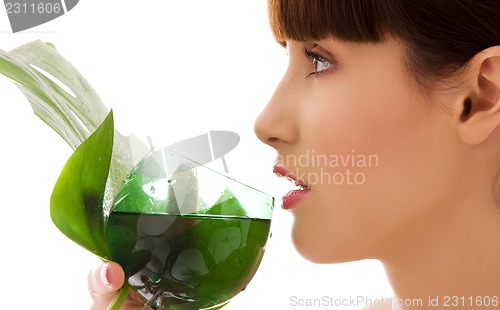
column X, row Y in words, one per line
column 349, row 20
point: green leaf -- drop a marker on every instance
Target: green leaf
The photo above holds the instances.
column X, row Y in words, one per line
column 76, row 204
column 120, row 298
column 38, row 70
column 74, row 114
column 227, row 204
column 84, row 101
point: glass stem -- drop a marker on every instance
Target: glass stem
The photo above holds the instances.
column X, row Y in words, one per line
column 119, row 298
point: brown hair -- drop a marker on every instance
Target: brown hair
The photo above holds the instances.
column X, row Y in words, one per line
column 441, row 36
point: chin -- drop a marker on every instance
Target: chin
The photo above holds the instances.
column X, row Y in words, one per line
column 316, row 252
column 319, row 251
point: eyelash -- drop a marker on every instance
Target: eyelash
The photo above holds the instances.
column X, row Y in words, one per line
column 315, row 59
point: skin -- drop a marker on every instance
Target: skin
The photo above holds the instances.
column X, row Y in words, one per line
column 426, row 210
column 104, row 281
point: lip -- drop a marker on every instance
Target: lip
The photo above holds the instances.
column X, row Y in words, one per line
column 291, row 198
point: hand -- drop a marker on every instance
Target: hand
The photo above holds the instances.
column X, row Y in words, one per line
column 104, row 282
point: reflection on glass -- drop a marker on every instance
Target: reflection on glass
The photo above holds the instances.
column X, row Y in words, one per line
column 187, row 236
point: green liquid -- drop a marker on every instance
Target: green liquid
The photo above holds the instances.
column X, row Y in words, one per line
column 187, row 261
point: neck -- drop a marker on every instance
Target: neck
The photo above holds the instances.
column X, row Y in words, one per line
column 453, row 259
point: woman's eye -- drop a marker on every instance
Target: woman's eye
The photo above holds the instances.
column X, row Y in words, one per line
column 319, row 63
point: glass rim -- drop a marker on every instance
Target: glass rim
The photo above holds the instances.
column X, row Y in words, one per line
column 189, row 160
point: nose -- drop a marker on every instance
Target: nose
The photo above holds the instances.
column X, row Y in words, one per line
column 278, row 122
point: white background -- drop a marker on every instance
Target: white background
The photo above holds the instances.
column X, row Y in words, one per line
column 167, row 68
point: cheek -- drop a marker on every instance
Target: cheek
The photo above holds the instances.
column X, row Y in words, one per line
column 362, row 121
column 385, row 140
column 357, row 131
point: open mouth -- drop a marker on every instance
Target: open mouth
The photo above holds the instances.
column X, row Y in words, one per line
column 281, row 172
column 293, row 197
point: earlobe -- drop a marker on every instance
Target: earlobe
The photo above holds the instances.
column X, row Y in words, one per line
column 480, row 115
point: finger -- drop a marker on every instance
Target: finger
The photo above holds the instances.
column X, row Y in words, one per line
column 104, row 281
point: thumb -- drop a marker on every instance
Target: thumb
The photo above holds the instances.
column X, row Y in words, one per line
column 104, row 282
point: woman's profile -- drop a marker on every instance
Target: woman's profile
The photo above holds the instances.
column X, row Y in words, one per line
column 415, row 87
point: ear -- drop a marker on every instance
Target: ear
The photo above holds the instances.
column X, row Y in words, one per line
column 480, row 115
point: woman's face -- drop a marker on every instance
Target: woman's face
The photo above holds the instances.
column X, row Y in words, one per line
column 380, row 156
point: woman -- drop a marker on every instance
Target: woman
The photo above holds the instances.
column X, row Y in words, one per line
column 395, row 105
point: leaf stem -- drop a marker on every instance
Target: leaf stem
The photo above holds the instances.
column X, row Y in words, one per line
column 119, row 298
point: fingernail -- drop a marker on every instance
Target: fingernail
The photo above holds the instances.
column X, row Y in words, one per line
column 104, row 275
